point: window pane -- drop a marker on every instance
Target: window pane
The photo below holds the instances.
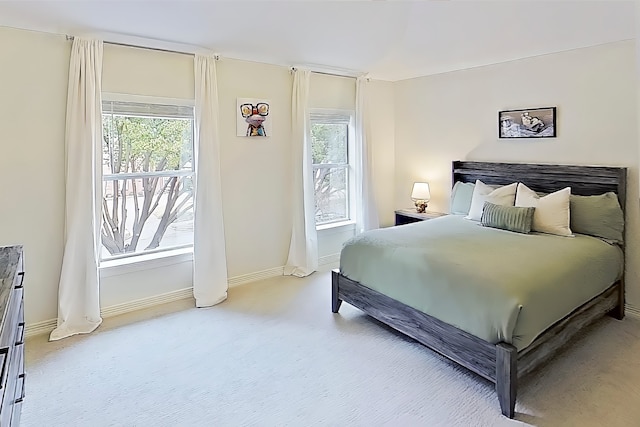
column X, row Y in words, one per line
column 146, row 144
column 146, row 214
column 331, row 194
column 329, row 143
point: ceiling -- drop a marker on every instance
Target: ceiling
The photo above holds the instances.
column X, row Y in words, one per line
column 391, row 40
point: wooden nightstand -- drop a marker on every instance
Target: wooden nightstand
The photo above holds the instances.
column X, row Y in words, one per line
column 407, row 216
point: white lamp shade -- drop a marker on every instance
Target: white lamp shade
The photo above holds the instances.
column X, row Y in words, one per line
column 421, row 191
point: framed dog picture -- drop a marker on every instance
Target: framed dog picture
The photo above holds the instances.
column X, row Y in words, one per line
column 527, row 123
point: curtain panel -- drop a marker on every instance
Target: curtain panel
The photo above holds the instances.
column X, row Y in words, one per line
column 366, row 209
column 78, row 291
column 303, row 249
column 209, row 254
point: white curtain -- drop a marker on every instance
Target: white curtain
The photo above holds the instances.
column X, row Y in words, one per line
column 303, row 250
column 209, row 253
column 366, row 210
column 79, row 292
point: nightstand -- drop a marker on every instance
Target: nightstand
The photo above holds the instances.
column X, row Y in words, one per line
column 407, row 216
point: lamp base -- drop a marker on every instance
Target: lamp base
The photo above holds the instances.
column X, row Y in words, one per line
column 421, row 206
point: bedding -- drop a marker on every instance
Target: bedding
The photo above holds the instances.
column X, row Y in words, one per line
column 510, row 218
column 461, row 195
column 599, row 215
column 497, row 285
column 482, row 193
column 552, row 210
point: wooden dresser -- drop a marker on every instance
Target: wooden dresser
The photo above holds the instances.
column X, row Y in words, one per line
column 12, row 374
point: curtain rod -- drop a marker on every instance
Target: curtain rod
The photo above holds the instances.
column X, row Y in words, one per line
column 146, row 47
column 327, row 73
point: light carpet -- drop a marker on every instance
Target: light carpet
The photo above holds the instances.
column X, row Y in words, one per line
column 273, row 354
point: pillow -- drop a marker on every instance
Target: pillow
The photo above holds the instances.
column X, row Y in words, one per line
column 507, row 217
column 482, row 193
column 552, row 211
column 461, row 198
column 599, row 216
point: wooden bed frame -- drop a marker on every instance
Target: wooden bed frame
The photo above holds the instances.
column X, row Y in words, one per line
column 499, row 363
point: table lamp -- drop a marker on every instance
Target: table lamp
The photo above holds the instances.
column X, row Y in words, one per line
column 420, row 195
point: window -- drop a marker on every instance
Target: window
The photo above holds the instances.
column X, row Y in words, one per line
column 331, row 140
column 147, row 178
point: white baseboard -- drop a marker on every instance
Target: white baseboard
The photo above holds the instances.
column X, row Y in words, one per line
column 142, row 303
column 632, row 311
column 47, row 326
column 329, row 259
column 44, row 327
column 252, row 277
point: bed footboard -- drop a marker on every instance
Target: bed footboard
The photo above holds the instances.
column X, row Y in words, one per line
column 499, row 363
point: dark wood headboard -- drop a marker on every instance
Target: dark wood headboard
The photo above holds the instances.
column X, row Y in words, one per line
column 547, row 178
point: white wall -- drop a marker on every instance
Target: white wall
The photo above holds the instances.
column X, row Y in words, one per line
column 256, row 173
column 33, row 93
column 453, row 116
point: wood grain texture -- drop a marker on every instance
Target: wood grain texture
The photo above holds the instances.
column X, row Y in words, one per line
column 463, row 348
column 507, row 377
column 11, row 334
column 547, row 344
column 10, row 265
column 501, row 362
column 335, row 301
column 583, row 180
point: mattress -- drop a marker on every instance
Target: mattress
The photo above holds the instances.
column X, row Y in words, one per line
column 494, row 284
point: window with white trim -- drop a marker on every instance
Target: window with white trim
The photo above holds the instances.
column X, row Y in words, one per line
column 147, row 178
column 331, row 148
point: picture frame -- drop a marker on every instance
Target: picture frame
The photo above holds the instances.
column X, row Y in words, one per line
column 253, row 118
column 527, row 123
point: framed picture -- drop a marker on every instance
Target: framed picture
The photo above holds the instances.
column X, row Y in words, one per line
column 253, row 117
column 527, row 123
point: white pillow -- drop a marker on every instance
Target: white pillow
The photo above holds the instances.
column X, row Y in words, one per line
column 552, row 213
column 503, row 196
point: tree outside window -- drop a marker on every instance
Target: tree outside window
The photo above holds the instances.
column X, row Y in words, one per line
column 331, row 171
column 147, row 161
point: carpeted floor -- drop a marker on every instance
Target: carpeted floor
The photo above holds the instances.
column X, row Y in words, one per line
column 273, row 354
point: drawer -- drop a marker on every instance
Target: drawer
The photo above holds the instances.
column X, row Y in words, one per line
column 4, row 368
column 19, row 395
column 15, row 416
column 13, row 385
column 15, row 315
column 18, row 280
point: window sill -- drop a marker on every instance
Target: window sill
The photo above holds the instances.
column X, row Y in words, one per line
column 336, row 226
column 120, row 266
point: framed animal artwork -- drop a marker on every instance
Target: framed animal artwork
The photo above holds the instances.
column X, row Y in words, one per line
column 253, row 117
column 527, row 123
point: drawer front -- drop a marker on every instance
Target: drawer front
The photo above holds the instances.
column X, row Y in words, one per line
column 4, row 368
column 18, row 280
column 19, row 395
column 13, row 385
column 15, row 417
column 15, row 315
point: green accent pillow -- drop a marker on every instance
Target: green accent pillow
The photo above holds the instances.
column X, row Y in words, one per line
column 599, row 216
column 461, row 195
column 512, row 218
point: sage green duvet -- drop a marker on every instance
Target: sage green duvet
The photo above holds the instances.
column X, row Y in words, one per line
column 495, row 284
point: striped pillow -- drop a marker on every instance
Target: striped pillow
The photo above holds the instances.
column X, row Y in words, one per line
column 510, row 218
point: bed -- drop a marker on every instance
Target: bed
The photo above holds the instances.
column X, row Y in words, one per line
column 416, row 278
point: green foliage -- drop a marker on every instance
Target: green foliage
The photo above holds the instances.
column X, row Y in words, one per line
column 134, row 144
column 143, row 144
column 329, row 143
